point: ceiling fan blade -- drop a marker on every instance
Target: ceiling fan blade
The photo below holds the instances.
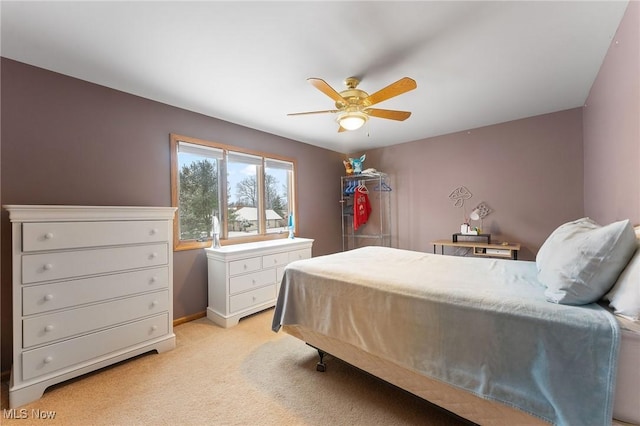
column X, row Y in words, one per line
column 401, row 86
column 314, row 112
column 388, row 113
column 322, row 86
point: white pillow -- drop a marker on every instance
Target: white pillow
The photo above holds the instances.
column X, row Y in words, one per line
column 555, row 240
column 582, row 260
column 624, row 297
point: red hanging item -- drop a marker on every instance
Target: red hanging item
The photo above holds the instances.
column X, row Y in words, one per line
column 361, row 207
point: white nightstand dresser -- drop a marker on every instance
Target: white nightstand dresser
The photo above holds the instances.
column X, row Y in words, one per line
column 92, row 286
column 245, row 278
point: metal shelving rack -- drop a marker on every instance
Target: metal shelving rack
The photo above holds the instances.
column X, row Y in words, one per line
column 377, row 230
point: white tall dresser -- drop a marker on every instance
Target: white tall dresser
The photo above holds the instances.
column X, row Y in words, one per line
column 92, row 286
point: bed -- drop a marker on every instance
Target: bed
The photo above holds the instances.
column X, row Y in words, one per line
column 477, row 337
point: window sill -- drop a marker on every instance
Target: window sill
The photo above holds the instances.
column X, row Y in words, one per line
column 196, row 245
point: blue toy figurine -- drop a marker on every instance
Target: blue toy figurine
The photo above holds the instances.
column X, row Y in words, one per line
column 357, row 164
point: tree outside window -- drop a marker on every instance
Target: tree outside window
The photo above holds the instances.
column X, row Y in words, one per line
column 198, row 199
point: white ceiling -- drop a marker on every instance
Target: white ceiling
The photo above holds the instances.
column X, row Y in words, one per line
column 476, row 63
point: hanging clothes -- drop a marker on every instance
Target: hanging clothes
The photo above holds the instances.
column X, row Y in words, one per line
column 361, row 207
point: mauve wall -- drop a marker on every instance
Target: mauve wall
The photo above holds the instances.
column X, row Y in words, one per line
column 528, row 171
column 612, row 129
column 67, row 141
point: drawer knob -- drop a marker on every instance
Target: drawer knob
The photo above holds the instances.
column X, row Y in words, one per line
column 154, row 231
column 48, row 297
column 48, row 236
column 48, row 359
column 154, row 303
column 153, row 255
column 244, row 266
column 154, row 327
column 153, row 280
column 48, row 328
column 47, row 266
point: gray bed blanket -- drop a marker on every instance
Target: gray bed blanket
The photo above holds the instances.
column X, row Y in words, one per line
column 482, row 325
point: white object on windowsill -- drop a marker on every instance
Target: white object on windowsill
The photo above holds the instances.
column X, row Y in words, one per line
column 215, row 224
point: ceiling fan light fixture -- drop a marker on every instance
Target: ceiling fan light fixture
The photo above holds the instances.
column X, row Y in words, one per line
column 352, row 120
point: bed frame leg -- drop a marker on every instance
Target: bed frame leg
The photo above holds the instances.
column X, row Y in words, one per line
column 321, row 366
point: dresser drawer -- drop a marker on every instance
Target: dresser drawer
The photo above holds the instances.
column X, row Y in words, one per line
column 58, row 325
column 66, row 235
column 245, row 265
column 60, row 265
column 252, row 298
column 276, row 259
column 253, row 280
column 73, row 352
column 299, row 254
column 47, row 297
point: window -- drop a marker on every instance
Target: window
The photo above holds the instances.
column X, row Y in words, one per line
column 250, row 193
column 243, row 174
column 278, row 177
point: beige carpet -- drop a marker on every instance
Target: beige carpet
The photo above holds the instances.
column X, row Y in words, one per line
column 245, row 375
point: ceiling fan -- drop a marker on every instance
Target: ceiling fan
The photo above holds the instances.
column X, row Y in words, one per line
column 354, row 105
